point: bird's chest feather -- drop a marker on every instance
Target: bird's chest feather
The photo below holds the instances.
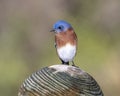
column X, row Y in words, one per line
column 67, row 52
column 63, row 38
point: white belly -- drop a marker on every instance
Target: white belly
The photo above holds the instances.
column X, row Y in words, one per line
column 67, row 52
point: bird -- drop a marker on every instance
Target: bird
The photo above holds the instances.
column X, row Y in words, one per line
column 65, row 41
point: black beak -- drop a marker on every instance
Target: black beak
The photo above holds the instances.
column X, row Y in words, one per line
column 53, row 30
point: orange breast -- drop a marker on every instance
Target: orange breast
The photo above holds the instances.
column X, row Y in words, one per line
column 63, row 38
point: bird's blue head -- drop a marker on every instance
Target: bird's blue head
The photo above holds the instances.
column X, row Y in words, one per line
column 61, row 26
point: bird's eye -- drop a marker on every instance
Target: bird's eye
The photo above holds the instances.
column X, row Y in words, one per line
column 60, row 27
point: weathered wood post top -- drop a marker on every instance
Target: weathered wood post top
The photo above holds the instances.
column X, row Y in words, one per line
column 60, row 80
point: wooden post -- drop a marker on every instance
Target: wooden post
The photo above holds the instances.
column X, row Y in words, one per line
column 60, row 80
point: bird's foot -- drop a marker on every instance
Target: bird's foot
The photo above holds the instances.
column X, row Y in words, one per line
column 65, row 63
column 73, row 64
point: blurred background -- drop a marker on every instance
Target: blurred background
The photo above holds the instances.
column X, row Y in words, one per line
column 26, row 45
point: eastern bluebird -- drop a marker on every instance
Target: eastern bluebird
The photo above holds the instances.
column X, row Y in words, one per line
column 65, row 41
